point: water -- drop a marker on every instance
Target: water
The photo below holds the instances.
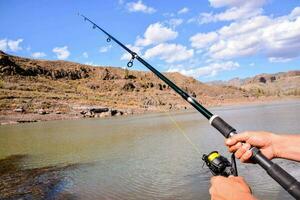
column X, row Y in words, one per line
column 146, row 156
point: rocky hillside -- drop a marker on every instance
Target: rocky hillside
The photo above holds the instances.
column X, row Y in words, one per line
column 279, row 84
column 65, row 90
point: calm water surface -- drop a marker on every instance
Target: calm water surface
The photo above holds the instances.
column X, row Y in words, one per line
column 146, row 157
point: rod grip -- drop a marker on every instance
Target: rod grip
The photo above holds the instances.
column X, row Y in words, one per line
column 222, row 126
column 288, row 182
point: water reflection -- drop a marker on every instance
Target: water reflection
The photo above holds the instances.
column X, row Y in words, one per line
column 50, row 182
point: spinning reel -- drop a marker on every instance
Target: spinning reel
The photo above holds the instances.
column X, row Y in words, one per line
column 220, row 165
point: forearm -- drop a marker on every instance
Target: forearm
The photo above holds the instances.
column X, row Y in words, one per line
column 287, row 146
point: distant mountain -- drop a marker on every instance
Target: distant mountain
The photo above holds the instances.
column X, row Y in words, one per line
column 278, row 84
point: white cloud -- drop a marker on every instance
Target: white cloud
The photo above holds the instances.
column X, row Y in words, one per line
column 277, row 38
column 3, row 44
column 155, row 34
column 210, row 70
column 183, row 10
column 237, row 10
column 203, row 39
column 38, row 54
column 127, row 56
column 14, row 45
column 295, row 13
column 11, row 45
column 170, row 52
column 139, row 7
column 174, row 22
column 91, row 63
column 105, row 49
column 61, row 52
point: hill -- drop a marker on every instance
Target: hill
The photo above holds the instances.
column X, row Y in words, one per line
column 34, row 90
column 278, row 84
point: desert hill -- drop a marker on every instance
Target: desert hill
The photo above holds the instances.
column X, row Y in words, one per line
column 45, row 90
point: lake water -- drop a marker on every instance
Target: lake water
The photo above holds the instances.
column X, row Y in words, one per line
column 146, row 156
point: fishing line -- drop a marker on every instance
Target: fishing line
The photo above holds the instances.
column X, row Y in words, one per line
column 179, row 128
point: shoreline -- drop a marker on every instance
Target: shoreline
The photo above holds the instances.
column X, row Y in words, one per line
column 13, row 117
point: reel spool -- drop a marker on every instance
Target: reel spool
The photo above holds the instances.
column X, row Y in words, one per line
column 218, row 164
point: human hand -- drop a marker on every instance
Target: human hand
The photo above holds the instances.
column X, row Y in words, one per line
column 231, row 188
column 265, row 141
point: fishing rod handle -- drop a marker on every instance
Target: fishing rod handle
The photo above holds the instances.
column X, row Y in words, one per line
column 288, row 182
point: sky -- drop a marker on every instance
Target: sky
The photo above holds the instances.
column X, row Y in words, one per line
column 206, row 39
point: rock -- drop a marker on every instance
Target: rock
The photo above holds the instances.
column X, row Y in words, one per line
column 262, row 80
column 21, row 110
column 42, row 112
column 27, row 121
column 58, row 112
column 108, row 75
column 83, row 112
column 99, row 110
column 119, row 113
column 105, row 114
column 129, row 87
column 89, row 114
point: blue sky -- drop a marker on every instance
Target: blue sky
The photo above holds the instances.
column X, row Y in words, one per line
column 208, row 39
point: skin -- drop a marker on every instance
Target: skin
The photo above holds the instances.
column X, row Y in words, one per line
column 233, row 188
column 270, row 144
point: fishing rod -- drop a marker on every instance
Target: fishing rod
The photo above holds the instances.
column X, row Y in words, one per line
column 287, row 181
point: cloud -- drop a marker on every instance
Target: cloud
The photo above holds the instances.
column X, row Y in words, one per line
column 3, row 45
column 91, row 63
column 183, row 10
column 203, row 39
column 139, row 7
column 136, row 49
column 11, row 45
column 61, row 52
column 14, row 45
column 295, row 13
column 38, row 54
column 156, row 33
column 209, row 70
column 85, row 54
column 277, row 38
column 237, row 10
column 105, row 49
column 174, row 22
column 169, row 52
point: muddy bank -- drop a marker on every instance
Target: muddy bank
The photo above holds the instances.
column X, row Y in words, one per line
column 49, row 182
column 79, row 112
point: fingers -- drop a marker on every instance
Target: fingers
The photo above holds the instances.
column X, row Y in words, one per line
column 235, row 147
column 241, row 137
column 246, row 156
column 241, row 151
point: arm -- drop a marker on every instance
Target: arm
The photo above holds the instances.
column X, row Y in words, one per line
column 231, row 188
column 271, row 145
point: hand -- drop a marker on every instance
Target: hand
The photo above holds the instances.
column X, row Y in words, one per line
column 265, row 141
column 231, row 188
